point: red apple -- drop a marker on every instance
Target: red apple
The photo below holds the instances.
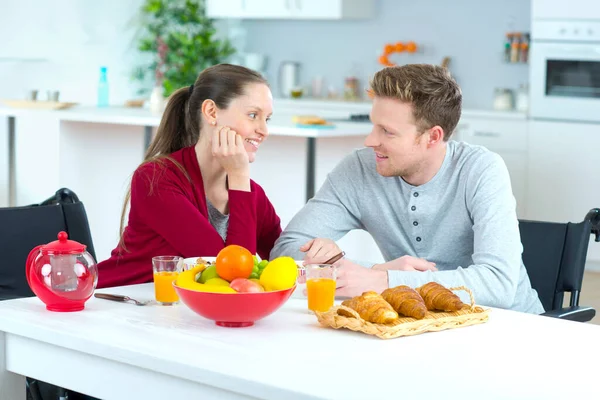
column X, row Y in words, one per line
column 243, row 285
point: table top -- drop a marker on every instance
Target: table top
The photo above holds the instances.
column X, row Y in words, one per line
column 323, row 107
column 289, row 355
column 280, row 125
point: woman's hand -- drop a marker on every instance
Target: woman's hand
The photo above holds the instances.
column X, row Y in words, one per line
column 228, row 148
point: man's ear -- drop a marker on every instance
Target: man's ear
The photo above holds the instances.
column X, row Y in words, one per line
column 209, row 110
column 436, row 135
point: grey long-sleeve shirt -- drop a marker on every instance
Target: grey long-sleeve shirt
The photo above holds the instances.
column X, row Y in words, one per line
column 464, row 220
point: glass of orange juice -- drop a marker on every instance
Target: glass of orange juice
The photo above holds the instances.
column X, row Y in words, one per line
column 320, row 286
column 166, row 269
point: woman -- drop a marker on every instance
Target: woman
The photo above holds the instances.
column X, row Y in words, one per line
column 193, row 195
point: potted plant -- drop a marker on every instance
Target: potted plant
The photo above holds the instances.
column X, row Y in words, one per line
column 180, row 41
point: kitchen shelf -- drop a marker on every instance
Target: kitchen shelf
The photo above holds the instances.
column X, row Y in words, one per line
column 23, row 59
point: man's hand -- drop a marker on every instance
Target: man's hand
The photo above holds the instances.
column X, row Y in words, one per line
column 406, row 263
column 353, row 280
column 319, row 250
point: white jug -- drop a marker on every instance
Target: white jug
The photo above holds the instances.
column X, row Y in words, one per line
column 289, row 77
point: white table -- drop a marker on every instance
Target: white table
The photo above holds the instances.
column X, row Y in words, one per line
column 280, row 125
column 121, row 351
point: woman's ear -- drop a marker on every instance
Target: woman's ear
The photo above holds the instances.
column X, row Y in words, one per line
column 209, row 111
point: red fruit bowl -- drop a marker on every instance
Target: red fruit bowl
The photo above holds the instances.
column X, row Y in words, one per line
column 234, row 310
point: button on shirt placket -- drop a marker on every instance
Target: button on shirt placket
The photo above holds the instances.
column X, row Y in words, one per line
column 415, row 210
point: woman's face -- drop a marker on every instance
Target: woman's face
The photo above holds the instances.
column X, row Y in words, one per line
column 248, row 115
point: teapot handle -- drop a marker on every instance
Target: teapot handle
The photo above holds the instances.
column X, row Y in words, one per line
column 30, row 258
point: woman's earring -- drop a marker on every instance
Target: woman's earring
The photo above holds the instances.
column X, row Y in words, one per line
column 214, row 122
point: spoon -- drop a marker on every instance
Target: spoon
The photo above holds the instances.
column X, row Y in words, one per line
column 116, row 297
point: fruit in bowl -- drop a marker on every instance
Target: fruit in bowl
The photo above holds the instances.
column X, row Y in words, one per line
column 237, row 290
column 233, row 309
column 243, row 285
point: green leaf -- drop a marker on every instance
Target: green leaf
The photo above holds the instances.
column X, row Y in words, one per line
column 153, row 6
column 168, row 86
column 147, row 45
column 189, row 37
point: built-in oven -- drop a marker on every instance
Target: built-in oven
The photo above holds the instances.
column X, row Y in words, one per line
column 565, row 70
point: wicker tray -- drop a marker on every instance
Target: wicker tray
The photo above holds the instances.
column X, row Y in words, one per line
column 406, row 326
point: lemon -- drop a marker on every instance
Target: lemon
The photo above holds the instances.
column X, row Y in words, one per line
column 208, row 273
column 279, row 274
column 216, row 282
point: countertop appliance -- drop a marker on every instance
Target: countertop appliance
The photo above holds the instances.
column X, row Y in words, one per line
column 289, row 77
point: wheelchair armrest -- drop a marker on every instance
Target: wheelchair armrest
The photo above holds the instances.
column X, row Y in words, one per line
column 62, row 196
column 594, row 217
column 579, row 314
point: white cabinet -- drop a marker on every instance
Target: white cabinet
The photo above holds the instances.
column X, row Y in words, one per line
column 563, row 183
column 226, row 8
column 290, row 9
column 273, row 9
column 507, row 138
column 565, row 10
column 333, row 9
column 497, row 134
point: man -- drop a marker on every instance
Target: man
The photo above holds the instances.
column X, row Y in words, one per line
column 438, row 209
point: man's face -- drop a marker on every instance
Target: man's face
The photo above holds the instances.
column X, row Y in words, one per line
column 399, row 147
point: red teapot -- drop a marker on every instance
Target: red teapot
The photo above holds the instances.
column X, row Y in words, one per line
column 62, row 274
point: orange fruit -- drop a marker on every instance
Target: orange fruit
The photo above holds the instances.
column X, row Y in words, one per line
column 234, row 262
column 383, row 60
column 411, row 47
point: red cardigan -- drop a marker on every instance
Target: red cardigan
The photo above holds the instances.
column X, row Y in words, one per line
column 173, row 220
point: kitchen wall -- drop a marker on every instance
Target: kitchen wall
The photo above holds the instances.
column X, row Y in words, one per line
column 61, row 45
column 471, row 32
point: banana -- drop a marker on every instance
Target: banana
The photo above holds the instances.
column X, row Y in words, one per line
column 186, row 280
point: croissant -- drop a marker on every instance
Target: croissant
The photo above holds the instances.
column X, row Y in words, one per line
column 371, row 307
column 406, row 301
column 437, row 297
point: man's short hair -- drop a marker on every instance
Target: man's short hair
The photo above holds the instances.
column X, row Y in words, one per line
column 435, row 97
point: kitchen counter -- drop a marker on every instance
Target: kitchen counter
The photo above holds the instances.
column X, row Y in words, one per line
column 155, row 352
column 279, row 125
column 332, row 107
column 283, row 108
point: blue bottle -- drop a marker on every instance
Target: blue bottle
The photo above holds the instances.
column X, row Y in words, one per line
column 103, row 88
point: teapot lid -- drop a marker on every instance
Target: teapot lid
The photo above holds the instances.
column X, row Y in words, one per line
column 63, row 245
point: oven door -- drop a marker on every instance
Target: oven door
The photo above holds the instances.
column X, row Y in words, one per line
column 565, row 81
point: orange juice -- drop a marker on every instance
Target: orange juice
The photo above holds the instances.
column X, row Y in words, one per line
column 163, row 287
column 321, row 293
